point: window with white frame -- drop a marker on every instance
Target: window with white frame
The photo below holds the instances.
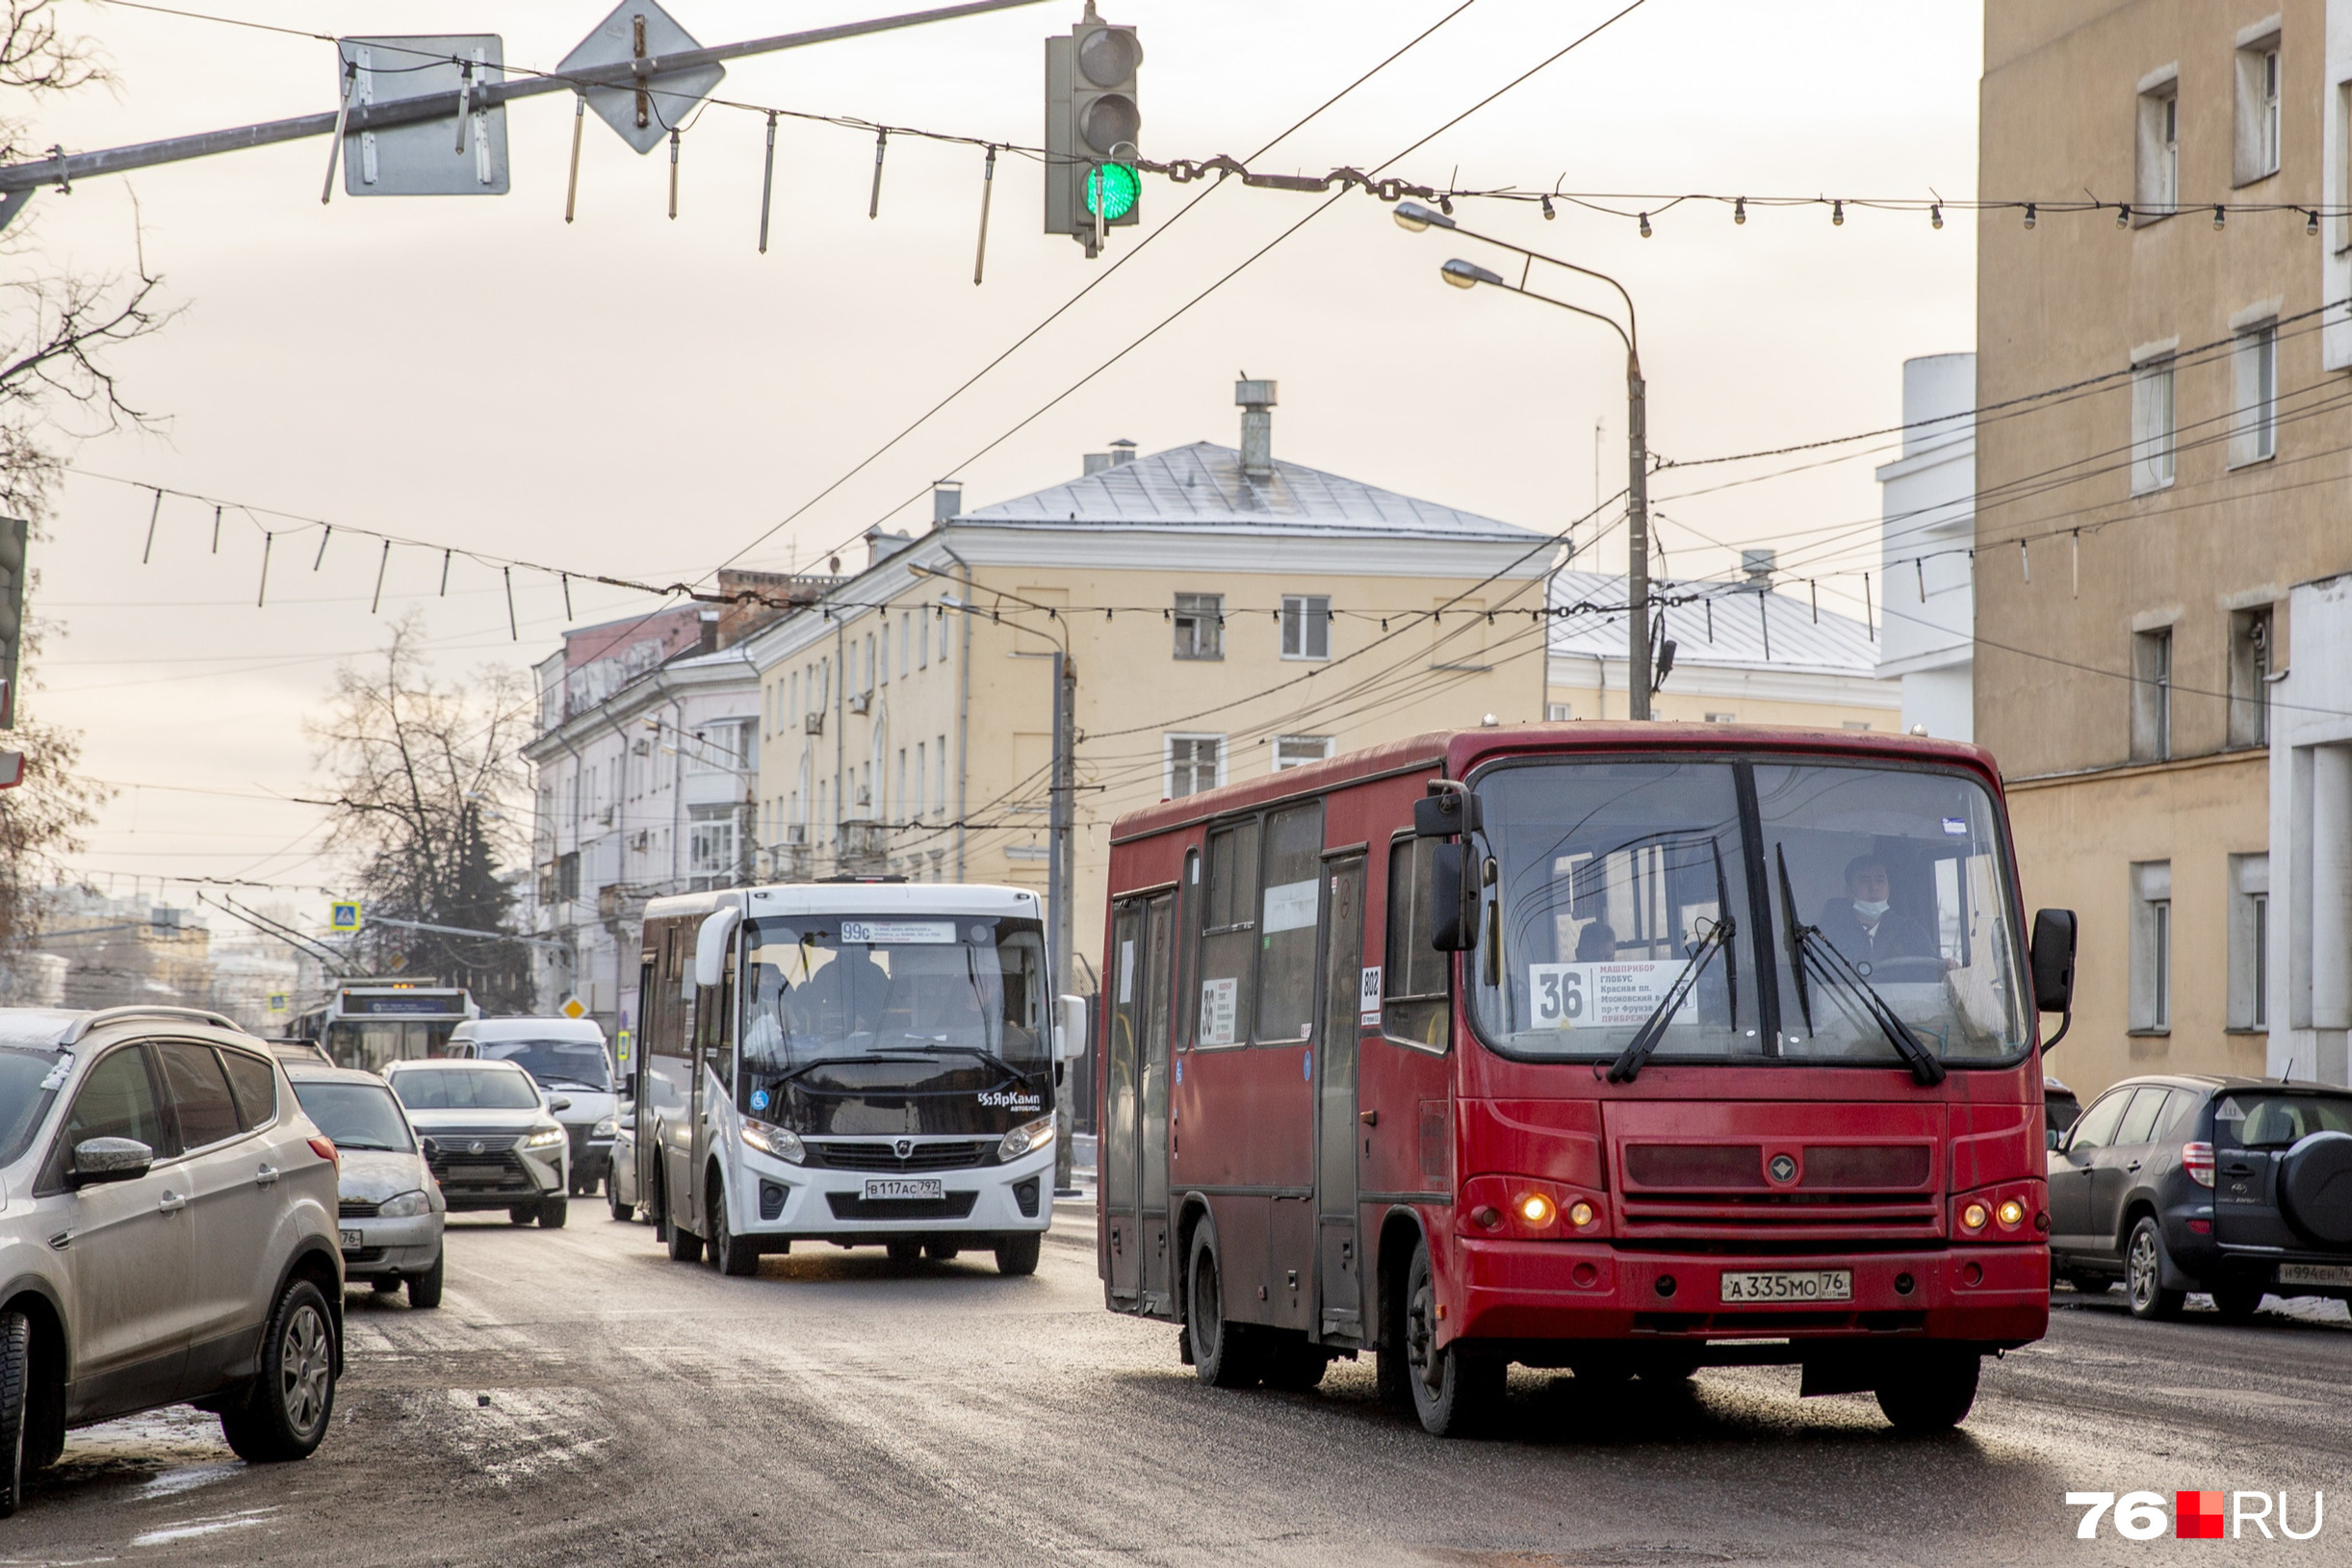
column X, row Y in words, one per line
column 2254, row 434
column 2151, row 1011
column 1193, row 763
column 1306, row 626
column 938, row 755
column 1296, row 751
column 2157, row 188
column 2255, row 143
column 919, row 801
column 711, row 845
column 2250, row 633
column 1559, row 713
column 1722, row 718
column 2152, row 694
column 2249, row 941
column 1199, row 625
column 722, row 747
column 2152, row 423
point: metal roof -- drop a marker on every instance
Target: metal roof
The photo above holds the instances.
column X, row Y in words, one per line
column 1202, row 486
column 1722, row 624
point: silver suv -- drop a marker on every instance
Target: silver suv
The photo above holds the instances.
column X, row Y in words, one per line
column 166, row 1235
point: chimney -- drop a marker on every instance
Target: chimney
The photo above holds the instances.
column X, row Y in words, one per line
column 1256, row 400
column 1122, row 450
column 1096, row 462
column 880, row 546
column 946, row 502
column 1758, row 564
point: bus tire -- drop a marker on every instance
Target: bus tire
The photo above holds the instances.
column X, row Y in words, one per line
column 1295, row 1366
column 1224, row 1353
column 1929, row 1393
column 1016, row 1254
column 684, row 1246
column 946, row 1252
column 904, row 1252
column 1455, row 1389
column 731, row 1255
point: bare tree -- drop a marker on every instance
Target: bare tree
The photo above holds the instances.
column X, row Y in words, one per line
column 426, row 780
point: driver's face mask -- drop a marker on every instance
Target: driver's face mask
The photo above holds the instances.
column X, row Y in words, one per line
column 1871, row 909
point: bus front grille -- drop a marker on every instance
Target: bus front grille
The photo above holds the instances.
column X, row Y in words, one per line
column 960, row 1154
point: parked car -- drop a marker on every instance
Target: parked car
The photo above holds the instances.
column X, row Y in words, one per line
column 621, row 1178
column 491, row 1138
column 391, row 1207
column 300, row 1053
column 2059, row 1108
column 2233, row 1186
column 166, row 1235
column 567, row 1057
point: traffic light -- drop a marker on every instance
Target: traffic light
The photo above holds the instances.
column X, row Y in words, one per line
column 14, row 531
column 1093, row 128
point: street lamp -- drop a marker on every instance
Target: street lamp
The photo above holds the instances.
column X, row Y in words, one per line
column 1411, row 215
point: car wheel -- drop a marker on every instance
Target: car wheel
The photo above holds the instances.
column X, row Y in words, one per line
column 522, row 1213
column 1223, row 1353
column 2236, row 1302
column 1455, row 1389
column 612, row 1196
column 729, row 1254
column 907, row 1251
column 2143, row 1272
column 425, row 1288
column 15, row 1406
column 1016, row 1254
column 1930, row 1393
column 284, row 1411
column 553, row 1213
column 383, row 1287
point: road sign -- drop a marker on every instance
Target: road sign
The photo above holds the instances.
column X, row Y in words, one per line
column 645, row 113
column 573, row 1007
column 461, row 157
column 342, row 918
column 277, row 1001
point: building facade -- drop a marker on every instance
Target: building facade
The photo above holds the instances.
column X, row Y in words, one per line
column 2162, row 476
column 1927, row 534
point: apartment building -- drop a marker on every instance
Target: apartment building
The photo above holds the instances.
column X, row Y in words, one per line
column 2164, row 660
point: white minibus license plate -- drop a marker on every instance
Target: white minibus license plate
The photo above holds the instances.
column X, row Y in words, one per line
column 1791, row 1285
column 889, row 1187
column 2315, row 1273
column 353, row 1241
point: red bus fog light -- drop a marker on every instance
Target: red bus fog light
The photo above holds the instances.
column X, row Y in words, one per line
column 1971, row 1274
column 1973, row 1216
column 1584, row 1274
column 1537, row 1209
column 1487, row 1214
column 1580, row 1214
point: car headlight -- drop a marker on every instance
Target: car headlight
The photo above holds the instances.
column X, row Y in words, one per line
column 605, row 1128
column 1026, row 1138
column 779, row 1141
column 406, row 1206
column 544, row 1138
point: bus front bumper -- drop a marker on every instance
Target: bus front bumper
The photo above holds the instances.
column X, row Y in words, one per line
column 1537, row 1291
column 781, row 1200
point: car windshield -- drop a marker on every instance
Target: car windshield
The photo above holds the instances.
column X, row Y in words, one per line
column 1627, row 896
column 566, row 1063
column 465, row 1088
column 25, row 1093
column 356, row 1115
column 823, row 986
column 2254, row 1120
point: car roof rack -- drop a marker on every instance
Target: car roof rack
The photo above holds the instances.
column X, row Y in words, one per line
column 88, row 1022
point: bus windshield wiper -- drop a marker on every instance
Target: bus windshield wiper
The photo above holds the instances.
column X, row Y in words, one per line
column 1628, row 1065
column 939, row 1047
column 1813, row 955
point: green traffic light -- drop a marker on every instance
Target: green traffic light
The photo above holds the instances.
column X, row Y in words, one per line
column 1112, row 190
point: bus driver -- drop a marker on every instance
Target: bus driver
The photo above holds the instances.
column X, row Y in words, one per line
column 1863, row 925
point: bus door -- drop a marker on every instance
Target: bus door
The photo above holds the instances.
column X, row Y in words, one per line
column 1338, row 1271
column 643, row 1142
column 713, row 1028
column 1121, row 1217
column 1152, row 1075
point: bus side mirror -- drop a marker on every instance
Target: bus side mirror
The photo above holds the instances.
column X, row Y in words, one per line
column 2054, row 966
column 1453, row 922
column 1070, row 1037
column 1449, row 809
column 711, row 949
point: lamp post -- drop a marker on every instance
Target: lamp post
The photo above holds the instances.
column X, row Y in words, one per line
column 1463, row 275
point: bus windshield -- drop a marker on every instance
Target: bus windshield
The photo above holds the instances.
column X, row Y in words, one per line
column 1629, row 902
column 823, row 987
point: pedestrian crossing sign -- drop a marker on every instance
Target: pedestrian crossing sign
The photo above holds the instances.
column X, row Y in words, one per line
column 343, row 918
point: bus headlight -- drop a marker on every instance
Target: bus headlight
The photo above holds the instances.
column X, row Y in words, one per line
column 1026, row 1138
column 1973, row 1216
column 768, row 1139
column 544, row 1138
column 2011, row 1214
column 406, row 1206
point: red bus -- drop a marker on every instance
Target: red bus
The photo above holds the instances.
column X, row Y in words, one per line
column 1622, row 1048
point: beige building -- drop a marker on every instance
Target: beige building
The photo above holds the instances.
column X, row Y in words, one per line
column 2152, row 545
column 1226, row 613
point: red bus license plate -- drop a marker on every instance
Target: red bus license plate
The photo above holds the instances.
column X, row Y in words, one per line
column 1791, row 1285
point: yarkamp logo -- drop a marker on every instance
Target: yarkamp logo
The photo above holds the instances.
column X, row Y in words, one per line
column 1009, row 1100
column 2196, row 1516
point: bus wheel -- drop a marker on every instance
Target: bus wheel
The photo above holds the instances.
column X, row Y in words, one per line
column 729, row 1254
column 1016, row 1254
column 940, row 1251
column 1454, row 1389
column 1294, row 1365
column 1223, row 1356
column 904, row 1252
column 1929, row 1393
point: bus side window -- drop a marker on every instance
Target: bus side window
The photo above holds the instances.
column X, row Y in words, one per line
column 1188, row 948
column 1415, row 1008
column 1229, row 936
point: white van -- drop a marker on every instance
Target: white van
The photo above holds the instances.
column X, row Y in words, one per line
column 569, row 1058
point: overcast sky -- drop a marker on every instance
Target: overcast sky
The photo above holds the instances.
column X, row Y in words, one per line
column 646, row 398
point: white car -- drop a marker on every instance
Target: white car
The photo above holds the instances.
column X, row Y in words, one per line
column 567, row 1056
column 490, row 1137
column 391, row 1209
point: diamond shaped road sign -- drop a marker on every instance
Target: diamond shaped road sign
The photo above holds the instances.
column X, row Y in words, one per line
column 644, row 114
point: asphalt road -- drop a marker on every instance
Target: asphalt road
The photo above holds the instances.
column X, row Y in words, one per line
column 579, row 1398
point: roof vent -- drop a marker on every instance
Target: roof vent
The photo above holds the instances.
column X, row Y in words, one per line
column 1759, row 565
column 1096, row 462
column 1122, row 450
column 1256, row 400
column 946, row 500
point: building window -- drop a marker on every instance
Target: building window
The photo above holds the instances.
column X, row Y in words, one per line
column 1861, row 724
column 1295, row 750
column 1199, row 625
column 2250, row 677
column 2152, row 438
column 567, row 877
column 711, row 847
column 939, row 752
column 1722, row 718
column 2256, row 145
column 922, row 640
column 1306, row 626
column 1194, row 762
column 2249, row 941
column 2152, row 946
column 1558, row 712
column 916, row 802
column 718, row 748
column 2253, row 431
column 2152, row 695
column 2157, row 191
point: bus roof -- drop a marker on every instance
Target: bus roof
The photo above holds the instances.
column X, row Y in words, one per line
column 1453, row 752
column 856, row 898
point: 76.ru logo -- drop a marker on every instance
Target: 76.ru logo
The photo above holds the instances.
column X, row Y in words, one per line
column 2196, row 1516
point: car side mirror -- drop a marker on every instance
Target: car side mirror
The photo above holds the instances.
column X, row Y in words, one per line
column 2053, row 968
column 429, row 1148
column 561, row 1103
column 2052, row 1138
column 99, row 1160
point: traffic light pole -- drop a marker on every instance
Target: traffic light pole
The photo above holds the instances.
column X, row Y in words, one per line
column 1062, row 878
column 1637, row 538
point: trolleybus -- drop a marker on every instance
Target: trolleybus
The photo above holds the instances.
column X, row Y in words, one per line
column 368, row 1024
column 857, row 1063
column 1622, row 1048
